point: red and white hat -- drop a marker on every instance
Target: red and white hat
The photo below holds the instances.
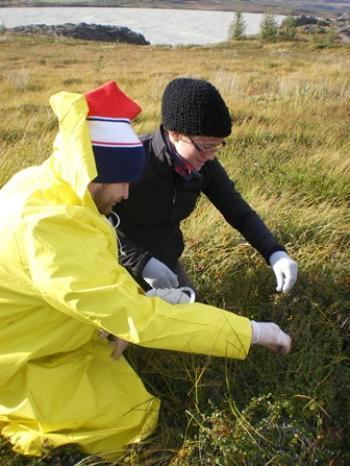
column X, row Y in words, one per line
column 119, row 154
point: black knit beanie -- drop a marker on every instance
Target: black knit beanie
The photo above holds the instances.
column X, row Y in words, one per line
column 195, row 107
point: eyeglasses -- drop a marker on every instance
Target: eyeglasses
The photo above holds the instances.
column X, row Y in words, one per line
column 203, row 148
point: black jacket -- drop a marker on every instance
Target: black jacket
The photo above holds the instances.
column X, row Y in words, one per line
column 150, row 218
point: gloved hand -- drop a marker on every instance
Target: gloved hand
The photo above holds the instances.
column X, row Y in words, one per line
column 158, row 275
column 181, row 295
column 285, row 270
column 270, row 335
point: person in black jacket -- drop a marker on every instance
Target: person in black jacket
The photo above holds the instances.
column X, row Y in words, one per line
column 180, row 165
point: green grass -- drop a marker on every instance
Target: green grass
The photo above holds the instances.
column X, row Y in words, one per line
column 289, row 156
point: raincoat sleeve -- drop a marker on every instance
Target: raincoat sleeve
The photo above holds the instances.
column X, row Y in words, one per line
column 72, row 265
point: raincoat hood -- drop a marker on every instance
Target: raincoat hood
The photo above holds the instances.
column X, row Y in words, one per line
column 73, row 158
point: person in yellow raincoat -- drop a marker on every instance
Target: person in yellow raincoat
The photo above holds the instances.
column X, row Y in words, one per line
column 61, row 284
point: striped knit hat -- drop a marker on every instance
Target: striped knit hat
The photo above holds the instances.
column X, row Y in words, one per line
column 119, row 154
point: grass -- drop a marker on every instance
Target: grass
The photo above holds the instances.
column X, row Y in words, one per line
column 289, row 156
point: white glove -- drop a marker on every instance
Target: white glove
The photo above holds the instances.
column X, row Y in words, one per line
column 158, row 275
column 174, row 295
column 270, row 335
column 285, row 270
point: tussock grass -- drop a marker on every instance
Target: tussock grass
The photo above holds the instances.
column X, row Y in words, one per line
column 289, row 156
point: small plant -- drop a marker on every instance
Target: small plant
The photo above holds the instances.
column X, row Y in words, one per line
column 324, row 38
column 2, row 27
column 238, row 27
column 268, row 28
column 268, row 430
column 330, row 38
column 288, row 29
column 99, row 66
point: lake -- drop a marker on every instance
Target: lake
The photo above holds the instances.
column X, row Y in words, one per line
column 159, row 26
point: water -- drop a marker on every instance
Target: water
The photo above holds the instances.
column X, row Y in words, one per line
column 159, row 26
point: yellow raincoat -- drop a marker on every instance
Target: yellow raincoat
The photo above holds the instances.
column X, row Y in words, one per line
column 59, row 284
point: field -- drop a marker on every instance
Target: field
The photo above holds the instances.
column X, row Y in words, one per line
column 289, row 156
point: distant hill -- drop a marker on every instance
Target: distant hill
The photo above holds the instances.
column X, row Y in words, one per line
column 294, row 7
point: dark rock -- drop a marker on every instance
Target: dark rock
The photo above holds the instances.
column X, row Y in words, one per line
column 97, row 32
column 310, row 28
column 304, row 20
column 345, row 31
column 344, row 18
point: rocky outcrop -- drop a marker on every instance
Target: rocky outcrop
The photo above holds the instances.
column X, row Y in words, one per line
column 85, row 31
column 341, row 25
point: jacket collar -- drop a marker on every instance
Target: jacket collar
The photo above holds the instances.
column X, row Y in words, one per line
column 162, row 152
column 159, row 146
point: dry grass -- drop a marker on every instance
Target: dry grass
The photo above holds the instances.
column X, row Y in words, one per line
column 289, row 155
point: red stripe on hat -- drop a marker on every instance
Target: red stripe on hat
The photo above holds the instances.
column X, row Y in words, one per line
column 109, row 101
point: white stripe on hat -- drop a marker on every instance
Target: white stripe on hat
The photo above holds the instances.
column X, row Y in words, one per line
column 112, row 133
